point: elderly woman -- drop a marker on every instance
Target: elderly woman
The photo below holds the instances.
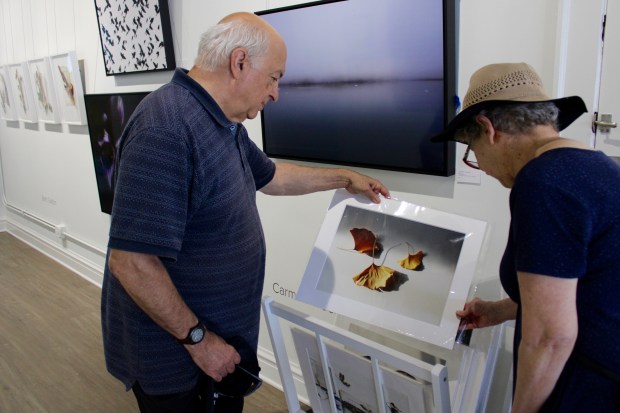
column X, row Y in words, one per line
column 561, row 266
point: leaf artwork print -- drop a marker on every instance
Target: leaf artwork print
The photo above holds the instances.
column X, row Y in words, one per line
column 366, row 242
column 381, row 277
column 413, row 261
column 375, row 277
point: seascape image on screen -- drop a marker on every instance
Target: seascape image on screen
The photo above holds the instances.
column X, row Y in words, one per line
column 107, row 116
column 365, row 85
column 392, row 263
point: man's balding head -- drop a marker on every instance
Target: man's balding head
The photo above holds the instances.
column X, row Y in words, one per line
column 240, row 29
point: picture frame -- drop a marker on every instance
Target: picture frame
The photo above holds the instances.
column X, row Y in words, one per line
column 401, row 266
column 22, row 92
column 7, row 101
column 43, row 90
column 67, row 82
column 351, row 379
column 107, row 115
column 135, row 36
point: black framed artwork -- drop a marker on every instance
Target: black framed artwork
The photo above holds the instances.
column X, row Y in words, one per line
column 108, row 114
column 136, row 36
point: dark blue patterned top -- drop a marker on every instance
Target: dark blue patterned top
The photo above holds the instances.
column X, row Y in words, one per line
column 565, row 209
column 186, row 192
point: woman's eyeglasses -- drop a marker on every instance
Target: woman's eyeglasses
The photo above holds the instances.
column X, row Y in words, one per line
column 241, row 383
column 469, row 162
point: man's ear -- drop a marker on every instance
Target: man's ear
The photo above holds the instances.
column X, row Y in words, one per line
column 488, row 130
column 238, row 61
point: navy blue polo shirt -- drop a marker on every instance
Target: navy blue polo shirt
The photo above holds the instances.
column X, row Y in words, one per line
column 186, row 187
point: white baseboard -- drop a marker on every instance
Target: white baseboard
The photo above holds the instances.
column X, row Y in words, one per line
column 72, row 261
column 2, row 224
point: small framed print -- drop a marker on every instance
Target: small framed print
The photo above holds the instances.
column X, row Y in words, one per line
column 68, row 87
column 22, row 91
column 43, row 90
column 135, row 36
column 7, row 102
column 397, row 265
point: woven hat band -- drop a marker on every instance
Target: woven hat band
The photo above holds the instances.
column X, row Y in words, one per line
column 516, row 82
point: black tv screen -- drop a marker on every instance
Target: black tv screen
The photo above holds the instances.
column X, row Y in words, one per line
column 107, row 115
column 367, row 83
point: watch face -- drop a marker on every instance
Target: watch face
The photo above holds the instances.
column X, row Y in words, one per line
column 197, row 335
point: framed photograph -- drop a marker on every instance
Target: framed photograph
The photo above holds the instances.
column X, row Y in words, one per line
column 43, row 90
column 107, row 116
column 397, row 265
column 68, row 87
column 405, row 394
column 135, row 36
column 22, row 91
column 7, row 102
column 351, row 378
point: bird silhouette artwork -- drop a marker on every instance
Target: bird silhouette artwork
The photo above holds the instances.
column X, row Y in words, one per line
column 133, row 35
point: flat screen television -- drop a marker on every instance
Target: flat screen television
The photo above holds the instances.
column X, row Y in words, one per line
column 367, row 83
column 107, row 115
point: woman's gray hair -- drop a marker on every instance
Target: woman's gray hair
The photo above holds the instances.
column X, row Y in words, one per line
column 218, row 42
column 511, row 118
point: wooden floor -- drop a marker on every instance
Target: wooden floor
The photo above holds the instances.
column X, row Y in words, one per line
column 51, row 355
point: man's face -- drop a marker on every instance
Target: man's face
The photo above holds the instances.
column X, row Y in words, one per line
column 262, row 80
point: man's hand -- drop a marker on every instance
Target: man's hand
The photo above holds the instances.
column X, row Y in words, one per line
column 365, row 185
column 214, row 356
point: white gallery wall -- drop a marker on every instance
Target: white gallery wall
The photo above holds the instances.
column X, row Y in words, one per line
column 48, row 175
column 2, row 204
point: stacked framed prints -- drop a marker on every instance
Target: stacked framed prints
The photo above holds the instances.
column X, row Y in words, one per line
column 67, row 83
column 396, row 265
column 22, row 91
column 7, row 102
column 43, row 90
column 350, row 378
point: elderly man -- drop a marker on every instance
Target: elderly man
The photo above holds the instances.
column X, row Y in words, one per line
column 185, row 268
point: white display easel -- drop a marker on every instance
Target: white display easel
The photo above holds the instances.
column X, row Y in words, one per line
column 378, row 354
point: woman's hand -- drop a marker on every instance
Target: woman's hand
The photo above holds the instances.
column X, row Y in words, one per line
column 478, row 313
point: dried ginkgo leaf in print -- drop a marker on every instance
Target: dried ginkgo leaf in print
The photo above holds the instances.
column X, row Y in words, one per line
column 413, row 261
column 366, row 242
column 374, row 277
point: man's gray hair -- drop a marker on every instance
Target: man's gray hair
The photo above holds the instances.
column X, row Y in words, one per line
column 218, row 42
column 511, row 118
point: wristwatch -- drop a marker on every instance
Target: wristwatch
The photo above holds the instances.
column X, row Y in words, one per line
column 195, row 334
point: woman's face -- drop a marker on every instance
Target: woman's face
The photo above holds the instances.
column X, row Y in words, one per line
column 493, row 159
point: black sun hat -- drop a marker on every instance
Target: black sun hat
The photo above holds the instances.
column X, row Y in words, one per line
column 508, row 83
